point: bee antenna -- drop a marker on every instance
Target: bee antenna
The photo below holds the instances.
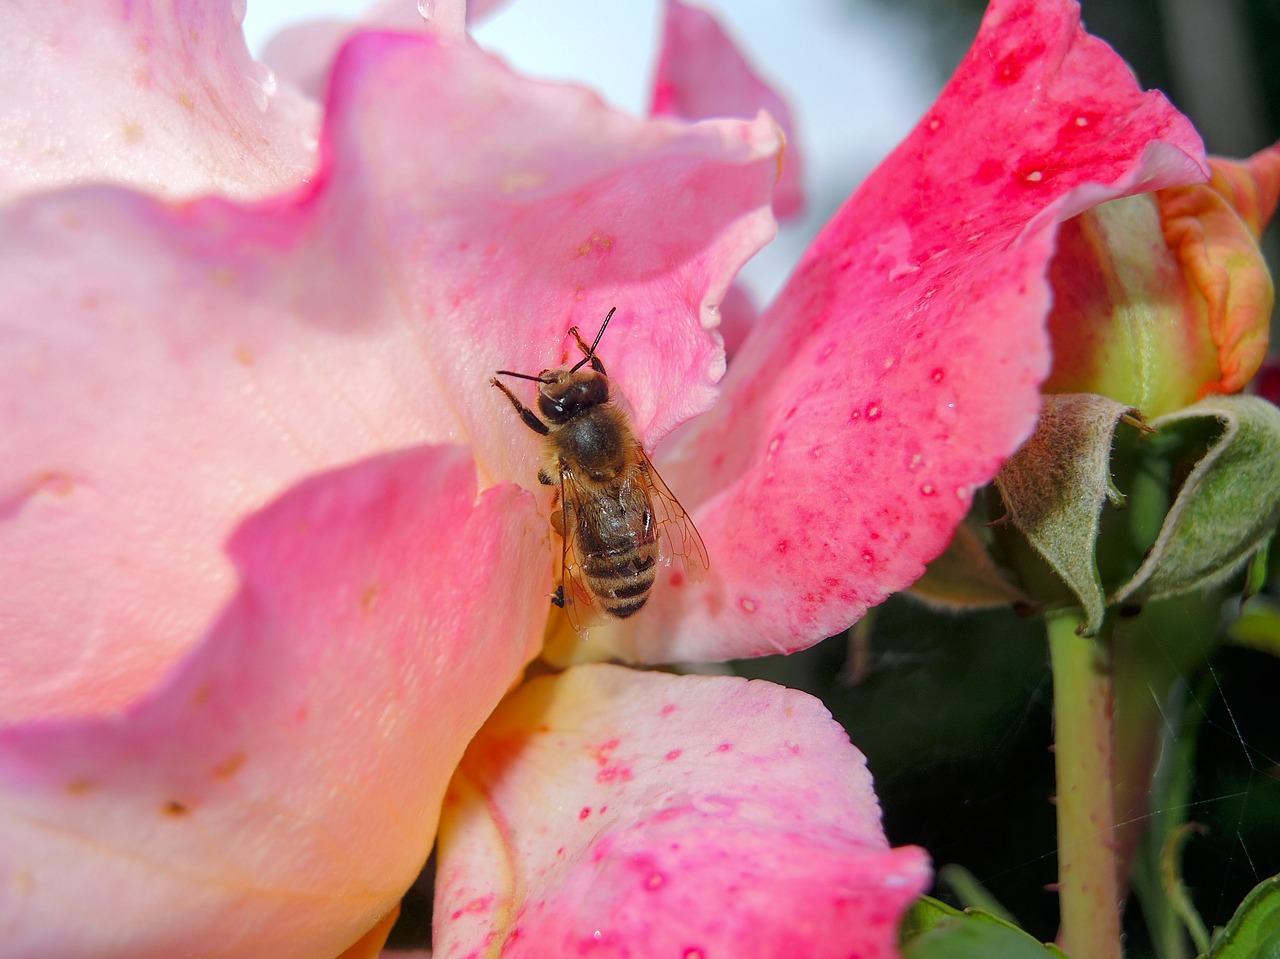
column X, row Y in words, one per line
column 596, row 342
column 521, row 376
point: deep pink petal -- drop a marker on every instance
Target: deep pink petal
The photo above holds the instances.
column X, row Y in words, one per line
column 277, row 795
column 607, row 812
column 702, row 73
column 901, row 363
column 159, row 96
column 168, row 369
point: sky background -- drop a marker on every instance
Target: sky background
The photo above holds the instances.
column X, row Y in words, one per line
column 856, row 75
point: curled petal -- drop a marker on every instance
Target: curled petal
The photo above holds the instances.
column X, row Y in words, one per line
column 160, row 96
column 902, row 362
column 1216, row 243
column 1252, row 187
column 304, row 53
column 168, row 369
column 526, row 227
column 702, row 73
column 1126, row 322
column 277, row 795
column 615, row 813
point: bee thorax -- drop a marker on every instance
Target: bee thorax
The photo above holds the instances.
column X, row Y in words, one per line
column 595, row 442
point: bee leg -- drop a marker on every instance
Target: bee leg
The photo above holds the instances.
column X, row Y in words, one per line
column 530, row 420
column 557, row 598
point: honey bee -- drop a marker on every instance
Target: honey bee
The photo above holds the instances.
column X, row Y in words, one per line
column 615, row 516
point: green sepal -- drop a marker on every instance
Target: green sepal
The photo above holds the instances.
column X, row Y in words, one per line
column 1226, row 508
column 934, row 930
column 1254, row 930
column 1258, row 627
column 1055, row 485
column 965, row 577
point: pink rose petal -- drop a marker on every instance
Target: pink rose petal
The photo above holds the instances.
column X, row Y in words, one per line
column 702, row 73
column 901, row 363
column 607, row 812
column 304, row 53
column 278, row 794
column 170, row 368
column 163, row 97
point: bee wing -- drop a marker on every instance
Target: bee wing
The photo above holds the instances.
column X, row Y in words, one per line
column 574, row 509
column 678, row 537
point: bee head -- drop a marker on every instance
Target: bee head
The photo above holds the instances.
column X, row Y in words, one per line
column 564, row 394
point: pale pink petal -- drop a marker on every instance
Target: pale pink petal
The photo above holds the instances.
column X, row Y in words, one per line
column 901, row 363
column 168, row 369
column 608, row 812
column 160, row 96
column 280, row 792
column 702, row 73
column 479, row 9
column 737, row 315
column 304, row 53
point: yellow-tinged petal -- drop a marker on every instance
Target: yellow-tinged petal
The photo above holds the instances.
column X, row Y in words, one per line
column 1251, row 186
column 1163, row 298
column 1125, row 321
column 1217, row 248
column 369, row 946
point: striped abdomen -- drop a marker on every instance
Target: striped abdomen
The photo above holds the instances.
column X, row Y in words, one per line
column 617, row 548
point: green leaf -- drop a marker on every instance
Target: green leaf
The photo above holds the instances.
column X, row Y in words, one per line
column 1254, row 931
column 924, row 915
column 1226, row 508
column 972, row 934
column 1055, row 485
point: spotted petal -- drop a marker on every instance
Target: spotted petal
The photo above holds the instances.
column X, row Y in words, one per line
column 900, row 364
column 608, row 812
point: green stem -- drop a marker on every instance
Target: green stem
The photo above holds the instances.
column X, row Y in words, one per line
column 1089, row 893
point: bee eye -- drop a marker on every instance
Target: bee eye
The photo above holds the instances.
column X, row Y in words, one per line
column 562, row 405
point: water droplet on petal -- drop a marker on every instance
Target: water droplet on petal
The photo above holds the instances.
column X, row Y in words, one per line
column 265, row 88
column 946, row 410
column 427, row 10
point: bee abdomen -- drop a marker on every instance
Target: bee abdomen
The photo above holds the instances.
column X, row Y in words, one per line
column 621, row 581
